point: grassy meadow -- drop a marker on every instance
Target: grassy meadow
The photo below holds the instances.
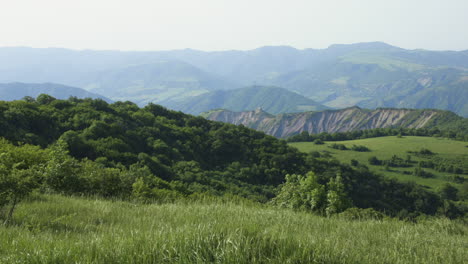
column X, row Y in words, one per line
column 58, row 229
column 385, row 147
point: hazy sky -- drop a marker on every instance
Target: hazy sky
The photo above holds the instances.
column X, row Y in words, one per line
column 234, row 24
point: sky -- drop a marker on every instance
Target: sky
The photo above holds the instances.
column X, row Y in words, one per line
column 234, row 24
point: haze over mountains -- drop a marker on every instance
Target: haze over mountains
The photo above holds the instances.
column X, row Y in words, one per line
column 365, row 74
column 16, row 91
column 269, row 98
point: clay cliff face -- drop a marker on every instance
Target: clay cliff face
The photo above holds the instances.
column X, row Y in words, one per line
column 331, row 121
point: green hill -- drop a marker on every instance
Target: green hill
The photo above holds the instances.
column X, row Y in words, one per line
column 82, row 180
column 450, row 156
column 271, row 99
column 152, row 153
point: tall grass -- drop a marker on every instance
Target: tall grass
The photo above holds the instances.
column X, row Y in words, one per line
column 57, row 229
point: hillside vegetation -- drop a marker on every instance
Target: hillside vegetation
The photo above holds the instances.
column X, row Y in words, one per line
column 122, row 151
column 57, row 229
column 116, row 183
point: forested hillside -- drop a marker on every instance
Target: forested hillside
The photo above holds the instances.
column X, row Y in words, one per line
column 121, row 150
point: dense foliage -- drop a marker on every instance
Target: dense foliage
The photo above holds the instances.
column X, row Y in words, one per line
column 120, row 150
column 172, row 145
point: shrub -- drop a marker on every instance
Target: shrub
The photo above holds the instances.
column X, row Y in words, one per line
column 338, row 146
column 318, row 141
column 360, row 148
column 360, row 214
column 374, row 161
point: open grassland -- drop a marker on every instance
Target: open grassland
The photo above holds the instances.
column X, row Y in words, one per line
column 385, row 147
column 57, row 229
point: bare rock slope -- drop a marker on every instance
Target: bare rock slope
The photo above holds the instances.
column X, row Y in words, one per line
column 331, row 121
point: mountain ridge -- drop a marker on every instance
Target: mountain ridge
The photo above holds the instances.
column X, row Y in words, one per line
column 270, row 98
column 18, row 90
column 331, row 121
column 369, row 74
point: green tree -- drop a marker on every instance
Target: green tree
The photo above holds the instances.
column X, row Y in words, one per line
column 337, row 200
column 302, row 192
column 16, row 185
column 62, row 173
column 20, row 174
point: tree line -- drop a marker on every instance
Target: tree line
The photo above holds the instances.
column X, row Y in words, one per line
column 457, row 131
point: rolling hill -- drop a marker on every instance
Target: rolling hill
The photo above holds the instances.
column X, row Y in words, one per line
column 16, row 91
column 343, row 120
column 271, row 99
column 449, row 152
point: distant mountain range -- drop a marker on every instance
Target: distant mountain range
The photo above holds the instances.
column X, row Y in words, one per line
column 331, row 121
column 16, row 91
column 271, row 99
column 369, row 75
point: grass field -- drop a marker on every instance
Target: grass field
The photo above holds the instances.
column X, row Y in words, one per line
column 58, row 229
column 386, row 147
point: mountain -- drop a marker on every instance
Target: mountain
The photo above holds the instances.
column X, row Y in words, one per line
column 16, row 91
column 271, row 99
column 381, row 82
column 156, row 82
column 369, row 75
column 331, row 121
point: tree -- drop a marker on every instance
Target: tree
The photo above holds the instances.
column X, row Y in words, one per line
column 302, row 192
column 44, row 99
column 337, row 200
column 14, row 187
column 20, row 174
column 62, row 171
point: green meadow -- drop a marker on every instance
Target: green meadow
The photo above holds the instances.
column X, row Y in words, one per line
column 385, row 147
column 59, row 229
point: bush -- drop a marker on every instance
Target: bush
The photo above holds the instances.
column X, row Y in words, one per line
column 425, row 151
column 338, row 146
column 360, row 148
column 318, row 141
column 359, row 214
column 374, row 161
